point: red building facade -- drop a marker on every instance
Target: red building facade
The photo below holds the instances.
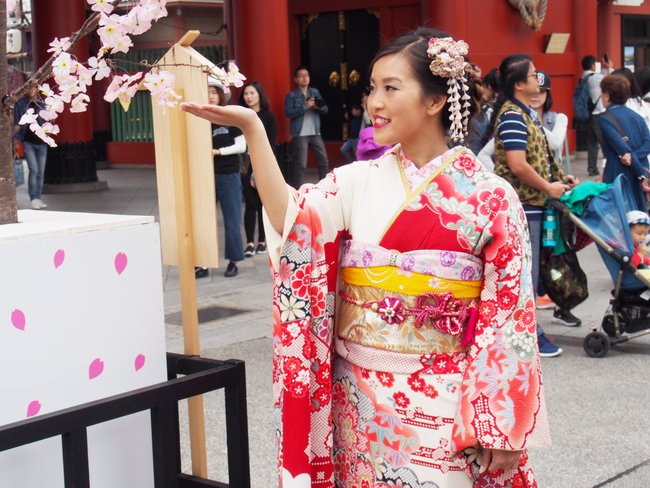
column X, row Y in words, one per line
column 337, row 38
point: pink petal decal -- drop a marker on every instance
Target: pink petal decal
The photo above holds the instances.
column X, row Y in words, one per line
column 120, row 262
column 18, row 319
column 59, row 256
column 139, row 362
column 96, row 368
column 33, row 408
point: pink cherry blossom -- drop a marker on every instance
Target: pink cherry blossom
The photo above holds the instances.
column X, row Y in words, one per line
column 69, row 90
column 112, row 29
column 84, row 75
column 123, row 88
column 104, row 6
column 28, row 117
column 55, row 103
column 48, row 114
column 139, row 21
column 63, row 65
column 59, row 45
column 45, row 131
column 99, row 67
column 234, row 76
column 122, row 44
column 161, row 86
column 45, row 90
column 79, row 103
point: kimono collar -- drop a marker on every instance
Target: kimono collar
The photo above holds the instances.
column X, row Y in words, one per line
column 414, row 175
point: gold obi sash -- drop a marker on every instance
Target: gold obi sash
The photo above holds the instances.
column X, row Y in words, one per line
column 384, row 308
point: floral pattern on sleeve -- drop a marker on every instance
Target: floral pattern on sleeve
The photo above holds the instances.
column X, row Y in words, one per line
column 501, row 394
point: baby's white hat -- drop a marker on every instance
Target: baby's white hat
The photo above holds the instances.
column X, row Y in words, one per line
column 637, row 217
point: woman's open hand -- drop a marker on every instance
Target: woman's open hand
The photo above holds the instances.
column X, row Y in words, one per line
column 493, row 460
column 235, row 115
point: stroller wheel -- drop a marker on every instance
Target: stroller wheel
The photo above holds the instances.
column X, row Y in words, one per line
column 596, row 344
column 608, row 325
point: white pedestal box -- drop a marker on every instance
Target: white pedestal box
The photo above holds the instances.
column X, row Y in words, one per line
column 81, row 318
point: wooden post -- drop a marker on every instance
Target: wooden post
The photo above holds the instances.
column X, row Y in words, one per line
column 186, row 278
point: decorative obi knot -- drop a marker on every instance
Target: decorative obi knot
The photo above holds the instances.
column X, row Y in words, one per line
column 441, row 311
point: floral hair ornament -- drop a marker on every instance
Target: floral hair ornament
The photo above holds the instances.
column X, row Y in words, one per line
column 448, row 61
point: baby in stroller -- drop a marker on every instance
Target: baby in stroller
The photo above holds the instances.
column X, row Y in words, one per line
column 639, row 223
column 625, row 254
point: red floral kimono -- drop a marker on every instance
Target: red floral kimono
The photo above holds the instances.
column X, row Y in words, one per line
column 433, row 353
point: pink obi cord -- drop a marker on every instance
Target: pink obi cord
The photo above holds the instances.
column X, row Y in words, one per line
column 441, row 310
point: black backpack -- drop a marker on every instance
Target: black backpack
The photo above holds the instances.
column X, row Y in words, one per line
column 582, row 104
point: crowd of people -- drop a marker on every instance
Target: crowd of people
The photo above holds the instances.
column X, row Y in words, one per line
column 430, row 242
column 513, row 131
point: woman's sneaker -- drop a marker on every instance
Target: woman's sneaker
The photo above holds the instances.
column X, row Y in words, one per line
column 543, row 302
column 565, row 317
column 231, row 270
column 249, row 250
column 261, row 248
column 200, row 272
column 37, row 204
column 546, row 348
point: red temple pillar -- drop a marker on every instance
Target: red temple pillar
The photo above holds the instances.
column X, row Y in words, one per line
column 585, row 31
column 50, row 22
column 448, row 16
column 73, row 163
column 260, row 44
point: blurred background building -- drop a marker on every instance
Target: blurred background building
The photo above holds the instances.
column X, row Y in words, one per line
column 335, row 39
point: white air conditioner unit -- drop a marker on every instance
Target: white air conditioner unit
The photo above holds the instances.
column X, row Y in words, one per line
column 629, row 3
column 12, row 21
column 14, row 41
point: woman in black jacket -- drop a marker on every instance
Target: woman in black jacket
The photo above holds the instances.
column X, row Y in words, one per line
column 253, row 97
column 228, row 146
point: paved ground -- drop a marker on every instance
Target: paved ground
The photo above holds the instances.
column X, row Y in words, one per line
column 601, row 433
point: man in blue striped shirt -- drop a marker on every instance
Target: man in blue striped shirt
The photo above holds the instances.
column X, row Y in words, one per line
column 523, row 158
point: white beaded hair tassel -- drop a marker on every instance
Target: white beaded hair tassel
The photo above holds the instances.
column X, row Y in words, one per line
column 448, row 61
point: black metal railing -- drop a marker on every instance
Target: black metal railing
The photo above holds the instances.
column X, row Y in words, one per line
column 201, row 375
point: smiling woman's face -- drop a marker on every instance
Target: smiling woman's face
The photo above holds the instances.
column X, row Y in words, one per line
column 395, row 103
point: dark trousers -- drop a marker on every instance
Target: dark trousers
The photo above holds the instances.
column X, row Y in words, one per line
column 252, row 211
column 299, row 147
column 594, row 141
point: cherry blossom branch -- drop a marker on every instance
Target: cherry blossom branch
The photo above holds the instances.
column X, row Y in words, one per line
column 147, row 65
column 45, row 71
column 73, row 76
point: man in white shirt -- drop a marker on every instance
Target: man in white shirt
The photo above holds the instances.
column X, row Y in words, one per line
column 594, row 137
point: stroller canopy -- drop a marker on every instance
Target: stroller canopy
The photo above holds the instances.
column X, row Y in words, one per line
column 606, row 216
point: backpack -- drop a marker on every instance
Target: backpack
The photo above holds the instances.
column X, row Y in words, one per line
column 564, row 280
column 582, row 104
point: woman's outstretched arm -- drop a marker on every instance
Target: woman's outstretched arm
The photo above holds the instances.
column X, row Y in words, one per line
column 268, row 177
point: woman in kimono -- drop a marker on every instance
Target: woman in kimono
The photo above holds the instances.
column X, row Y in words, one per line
column 404, row 344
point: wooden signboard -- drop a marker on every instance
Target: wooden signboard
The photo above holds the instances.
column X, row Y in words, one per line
column 191, row 71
